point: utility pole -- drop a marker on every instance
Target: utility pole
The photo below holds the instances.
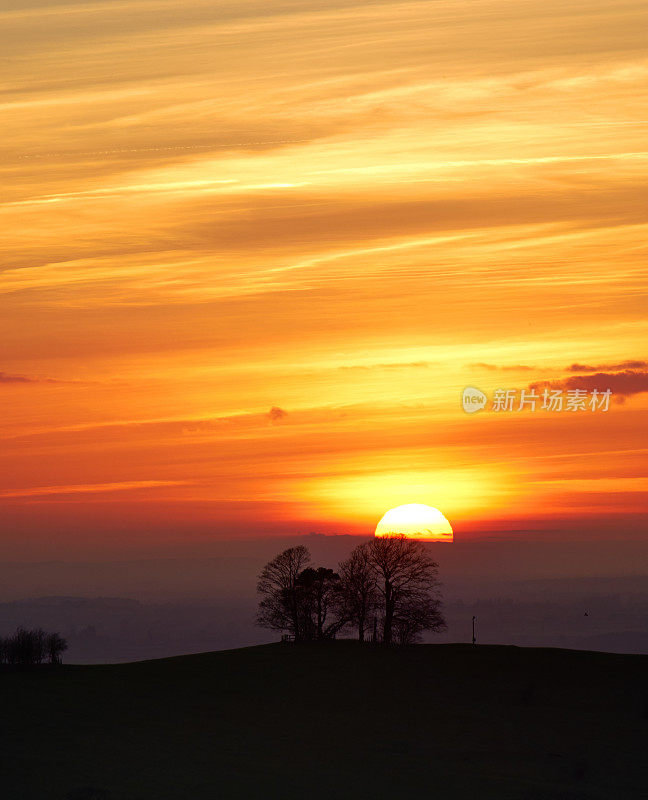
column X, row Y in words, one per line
column 474, row 640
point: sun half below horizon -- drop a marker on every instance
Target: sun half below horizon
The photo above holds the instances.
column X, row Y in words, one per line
column 415, row 521
column 255, row 253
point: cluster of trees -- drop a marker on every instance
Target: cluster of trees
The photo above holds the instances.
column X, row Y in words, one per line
column 28, row 647
column 387, row 590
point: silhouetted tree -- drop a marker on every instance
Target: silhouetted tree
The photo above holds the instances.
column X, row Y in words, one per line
column 28, row 647
column 408, row 587
column 55, row 646
column 392, row 577
column 319, row 598
column 415, row 613
column 279, row 607
column 39, row 645
column 358, row 587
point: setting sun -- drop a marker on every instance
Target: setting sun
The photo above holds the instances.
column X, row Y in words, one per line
column 415, row 521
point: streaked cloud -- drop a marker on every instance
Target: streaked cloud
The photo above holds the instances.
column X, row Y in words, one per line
column 624, row 365
column 6, row 378
column 623, row 384
column 340, row 209
column 503, row 367
column 116, row 486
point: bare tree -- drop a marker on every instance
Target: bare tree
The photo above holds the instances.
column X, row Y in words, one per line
column 39, row 638
column 279, row 607
column 408, row 587
column 417, row 612
column 25, row 647
column 55, row 646
column 359, row 581
column 392, row 576
column 319, row 601
column 28, row 647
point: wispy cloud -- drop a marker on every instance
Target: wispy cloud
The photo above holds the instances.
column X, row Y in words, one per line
column 276, row 414
column 623, row 384
column 90, row 488
column 623, row 365
column 7, row 378
column 321, row 214
column 503, row 367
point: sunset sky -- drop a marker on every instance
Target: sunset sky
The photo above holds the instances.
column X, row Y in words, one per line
column 253, row 252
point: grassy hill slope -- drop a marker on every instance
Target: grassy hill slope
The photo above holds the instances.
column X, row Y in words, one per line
column 336, row 720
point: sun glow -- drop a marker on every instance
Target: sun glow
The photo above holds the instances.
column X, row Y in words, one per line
column 416, row 521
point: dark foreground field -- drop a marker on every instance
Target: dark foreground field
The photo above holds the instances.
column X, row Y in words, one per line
column 335, row 721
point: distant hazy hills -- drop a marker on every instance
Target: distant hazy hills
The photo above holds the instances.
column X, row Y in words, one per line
column 608, row 614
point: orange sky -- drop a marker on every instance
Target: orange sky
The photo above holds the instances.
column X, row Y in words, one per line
column 343, row 211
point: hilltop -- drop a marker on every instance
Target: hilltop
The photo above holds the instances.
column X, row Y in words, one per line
column 333, row 720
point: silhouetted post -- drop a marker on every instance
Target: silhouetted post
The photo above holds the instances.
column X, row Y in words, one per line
column 474, row 640
column 375, row 630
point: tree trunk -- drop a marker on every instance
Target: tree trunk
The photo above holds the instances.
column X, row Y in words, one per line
column 295, row 616
column 389, row 613
column 320, row 621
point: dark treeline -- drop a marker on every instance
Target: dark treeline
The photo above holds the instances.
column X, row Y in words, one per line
column 28, row 647
column 387, row 590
